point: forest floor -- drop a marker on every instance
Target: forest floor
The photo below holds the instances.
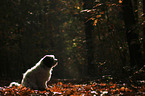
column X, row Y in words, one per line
column 71, row 87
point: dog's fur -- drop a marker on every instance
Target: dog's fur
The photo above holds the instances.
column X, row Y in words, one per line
column 37, row 77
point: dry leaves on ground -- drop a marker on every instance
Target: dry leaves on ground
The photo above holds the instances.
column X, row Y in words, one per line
column 68, row 89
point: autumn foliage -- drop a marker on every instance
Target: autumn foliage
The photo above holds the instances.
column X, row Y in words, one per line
column 91, row 88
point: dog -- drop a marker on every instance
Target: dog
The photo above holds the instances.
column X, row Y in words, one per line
column 37, row 77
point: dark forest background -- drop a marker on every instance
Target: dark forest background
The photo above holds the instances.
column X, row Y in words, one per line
column 90, row 38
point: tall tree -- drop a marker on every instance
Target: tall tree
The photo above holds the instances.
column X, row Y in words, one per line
column 132, row 36
column 144, row 26
column 89, row 28
column 135, row 7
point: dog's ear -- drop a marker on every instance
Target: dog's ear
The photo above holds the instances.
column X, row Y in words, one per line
column 48, row 61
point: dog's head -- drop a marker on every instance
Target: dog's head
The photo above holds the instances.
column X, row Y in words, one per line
column 50, row 61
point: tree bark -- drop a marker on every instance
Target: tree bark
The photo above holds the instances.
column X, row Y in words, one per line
column 132, row 37
column 135, row 7
column 144, row 26
column 89, row 28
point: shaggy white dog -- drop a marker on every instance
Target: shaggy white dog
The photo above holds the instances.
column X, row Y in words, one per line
column 38, row 76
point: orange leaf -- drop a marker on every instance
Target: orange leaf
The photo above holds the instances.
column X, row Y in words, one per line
column 102, row 12
column 59, row 83
column 120, row 1
column 98, row 16
column 95, row 22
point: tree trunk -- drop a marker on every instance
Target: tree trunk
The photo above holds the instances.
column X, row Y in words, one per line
column 135, row 7
column 89, row 28
column 132, row 37
column 144, row 27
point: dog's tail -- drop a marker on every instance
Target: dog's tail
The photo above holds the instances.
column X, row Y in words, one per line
column 14, row 84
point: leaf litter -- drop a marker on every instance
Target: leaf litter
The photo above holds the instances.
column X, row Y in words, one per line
column 74, row 88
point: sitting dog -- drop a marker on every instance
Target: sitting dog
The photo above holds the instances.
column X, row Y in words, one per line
column 37, row 77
